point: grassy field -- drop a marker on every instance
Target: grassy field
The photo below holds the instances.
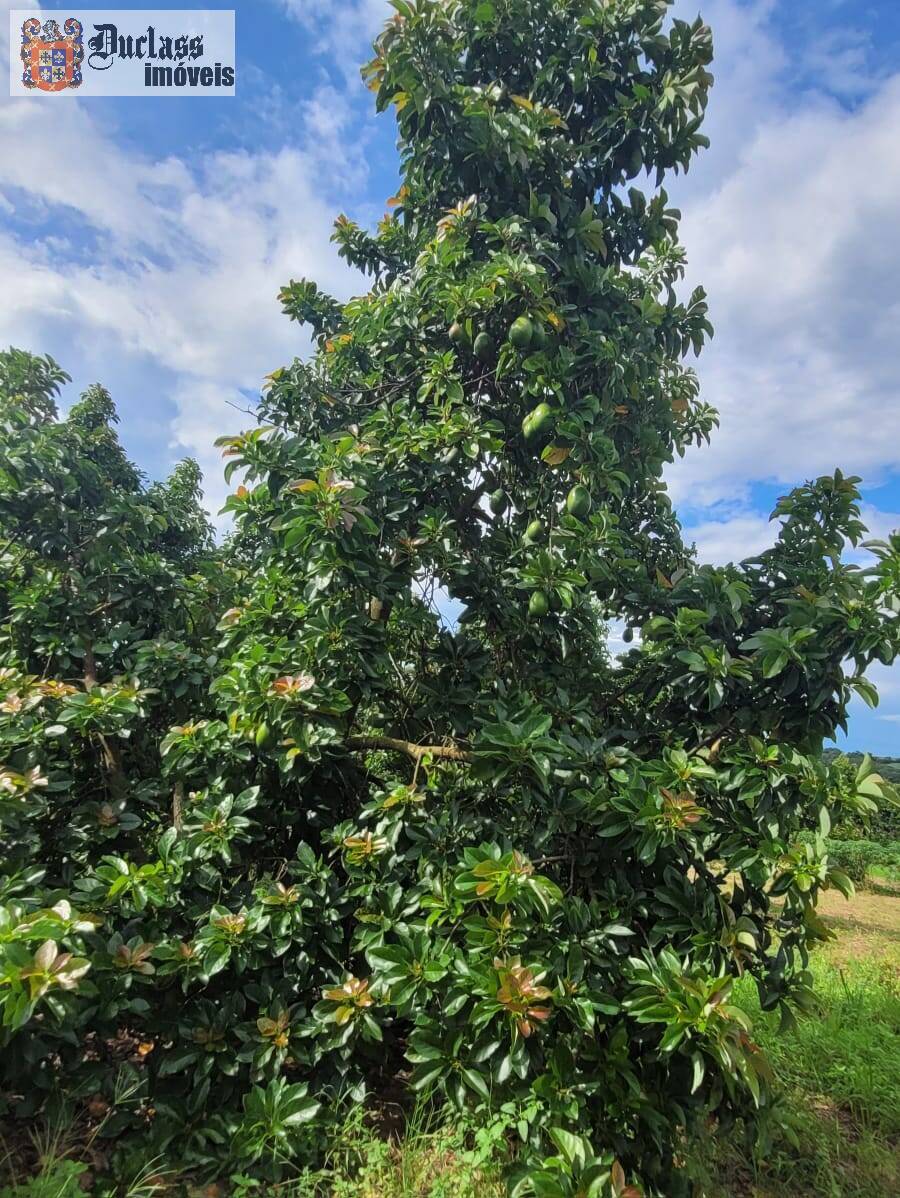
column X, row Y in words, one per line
column 834, row 1133
column 840, row 1074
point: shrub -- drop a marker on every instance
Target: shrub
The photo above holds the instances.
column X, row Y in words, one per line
column 881, row 823
column 857, row 857
column 389, row 853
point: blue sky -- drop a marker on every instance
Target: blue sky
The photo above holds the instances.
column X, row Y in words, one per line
column 143, row 241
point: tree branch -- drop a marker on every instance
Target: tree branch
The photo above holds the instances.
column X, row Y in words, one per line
column 90, row 667
column 713, row 736
column 110, row 752
column 416, row 752
column 178, row 806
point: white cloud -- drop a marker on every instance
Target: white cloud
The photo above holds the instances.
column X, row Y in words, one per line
column 838, row 58
column 748, row 66
column 791, row 224
column 181, row 288
column 879, row 524
column 738, row 534
column 204, row 408
column 731, row 539
column 345, row 30
column 886, row 680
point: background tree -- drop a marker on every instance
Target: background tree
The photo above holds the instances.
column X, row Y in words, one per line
column 483, row 858
column 106, row 587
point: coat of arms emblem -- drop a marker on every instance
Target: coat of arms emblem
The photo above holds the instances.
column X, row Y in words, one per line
column 52, row 57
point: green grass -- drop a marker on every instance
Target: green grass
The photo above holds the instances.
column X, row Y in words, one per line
column 433, row 1160
column 884, row 873
column 835, row 1130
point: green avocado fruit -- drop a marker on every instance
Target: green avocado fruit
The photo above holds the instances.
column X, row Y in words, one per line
column 264, row 737
column 498, row 502
column 484, row 347
column 534, row 532
column 540, row 338
column 520, row 332
column 538, row 605
column 578, row 501
column 537, row 422
column 457, row 334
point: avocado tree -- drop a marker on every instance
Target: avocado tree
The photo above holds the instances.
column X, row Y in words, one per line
column 106, row 587
column 557, row 862
column 481, row 859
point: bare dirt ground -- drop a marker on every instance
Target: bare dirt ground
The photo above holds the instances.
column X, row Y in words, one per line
column 866, row 925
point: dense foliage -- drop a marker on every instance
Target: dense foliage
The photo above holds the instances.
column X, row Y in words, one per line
column 344, row 847
column 881, row 826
